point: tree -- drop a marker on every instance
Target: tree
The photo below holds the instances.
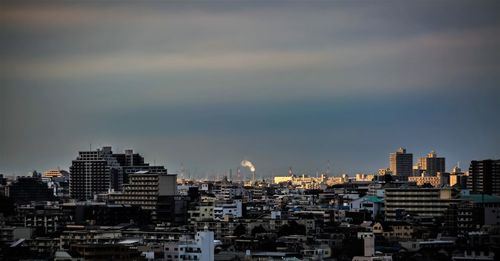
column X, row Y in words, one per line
column 292, row 228
column 257, row 230
column 239, row 230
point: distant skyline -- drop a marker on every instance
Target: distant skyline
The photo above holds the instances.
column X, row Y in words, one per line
column 208, row 84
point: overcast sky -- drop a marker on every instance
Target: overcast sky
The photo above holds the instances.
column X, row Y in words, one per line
column 207, row 84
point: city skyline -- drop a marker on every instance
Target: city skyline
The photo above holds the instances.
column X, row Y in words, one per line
column 243, row 169
column 207, row 85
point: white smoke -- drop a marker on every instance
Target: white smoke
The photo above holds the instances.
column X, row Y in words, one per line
column 248, row 164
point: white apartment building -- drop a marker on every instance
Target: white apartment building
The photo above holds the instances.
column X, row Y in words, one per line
column 199, row 248
column 233, row 209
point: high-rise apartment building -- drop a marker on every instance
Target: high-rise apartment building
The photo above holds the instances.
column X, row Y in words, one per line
column 401, row 163
column 95, row 172
column 432, row 164
column 484, row 177
column 133, row 162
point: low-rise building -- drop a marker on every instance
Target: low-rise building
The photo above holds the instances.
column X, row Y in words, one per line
column 202, row 247
column 222, row 210
column 425, row 202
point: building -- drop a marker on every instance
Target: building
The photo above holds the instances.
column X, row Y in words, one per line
column 458, row 178
column 383, row 172
column 364, row 177
column 401, row 163
column 27, row 189
column 282, row 179
column 104, row 252
column 144, row 188
column 133, row 162
column 476, row 210
column 435, row 181
column 432, row 164
column 395, row 231
column 44, row 219
column 222, row 210
column 484, row 177
column 55, row 173
column 201, row 248
column 203, row 212
column 94, row 172
column 150, row 191
column 474, row 256
column 97, row 172
column 419, row 202
column 416, row 245
column 307, row 182
column 229, row 192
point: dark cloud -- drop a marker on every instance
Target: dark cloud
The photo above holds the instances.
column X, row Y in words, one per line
column 209, row 83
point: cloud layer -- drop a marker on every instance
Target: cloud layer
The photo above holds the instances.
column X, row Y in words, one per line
column 208, row 84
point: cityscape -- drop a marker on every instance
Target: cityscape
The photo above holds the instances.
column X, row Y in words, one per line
column 238, row 130
column 117, row 206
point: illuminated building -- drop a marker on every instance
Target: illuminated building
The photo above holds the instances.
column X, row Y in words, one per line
column 401, row 163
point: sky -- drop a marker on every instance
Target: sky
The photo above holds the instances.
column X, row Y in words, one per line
column 206, row 84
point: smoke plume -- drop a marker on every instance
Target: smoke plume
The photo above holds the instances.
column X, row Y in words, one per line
column 248, row 164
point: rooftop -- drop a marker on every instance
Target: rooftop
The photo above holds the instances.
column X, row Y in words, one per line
column 481, row 198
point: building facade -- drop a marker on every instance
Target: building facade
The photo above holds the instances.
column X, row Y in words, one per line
column 55, row 173
column 94, row 172
column 484, row 177
column 144, row 188
column 27, row 189
column 435, row 181
column 432, row 164
column 401, row 163
column 420, row 202
column 201, row 248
